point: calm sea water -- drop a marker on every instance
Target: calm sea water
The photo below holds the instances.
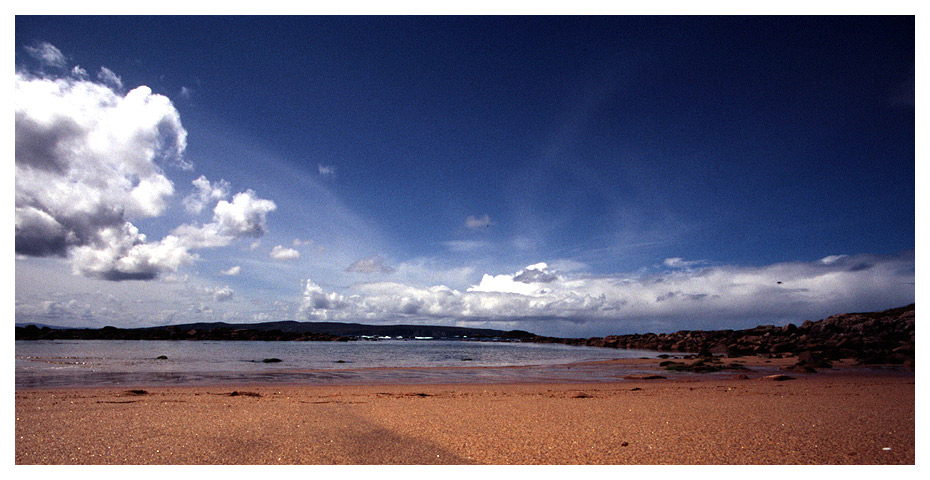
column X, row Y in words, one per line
column 66, row 363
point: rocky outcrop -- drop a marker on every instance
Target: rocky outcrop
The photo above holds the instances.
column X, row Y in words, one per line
column 871, row 338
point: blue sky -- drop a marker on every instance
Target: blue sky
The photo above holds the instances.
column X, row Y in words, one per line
column 564, row 175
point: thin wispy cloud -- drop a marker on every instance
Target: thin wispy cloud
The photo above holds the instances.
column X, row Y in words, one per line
column 466, row 245
column 676, row 262
column 370, row 265
column 48, row 54
column 476, row 223
column 326, row 170
column 109, row 78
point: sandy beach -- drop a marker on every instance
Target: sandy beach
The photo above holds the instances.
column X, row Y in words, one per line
column 846, row 416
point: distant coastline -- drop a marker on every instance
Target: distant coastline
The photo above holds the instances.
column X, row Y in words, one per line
column 885, row 337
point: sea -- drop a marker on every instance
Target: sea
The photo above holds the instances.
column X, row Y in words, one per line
column 152, row 363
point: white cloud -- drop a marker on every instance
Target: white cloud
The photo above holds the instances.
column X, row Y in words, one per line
column 529, row 281
column 831, row 259
column 123, row 254
column 205, row 194
column 89, row 163
column 222, row 294
column 280, row 252
column 370, row 265
column 107, row 76
column 462, row 246
column 47, row 54
column 243, row 217
column 326, row 170
column 232, row 271
column 711, row 297
column 676, row 262
column 86, row 166
column 319, row 304
column 478, row 222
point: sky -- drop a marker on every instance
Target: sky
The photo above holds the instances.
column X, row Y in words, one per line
column 571, row 176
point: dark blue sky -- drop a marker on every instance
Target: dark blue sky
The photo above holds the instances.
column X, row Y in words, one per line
column 609, row 144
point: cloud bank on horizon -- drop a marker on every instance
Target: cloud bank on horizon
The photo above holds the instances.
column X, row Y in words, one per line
column 537, row 295
column 94, row 161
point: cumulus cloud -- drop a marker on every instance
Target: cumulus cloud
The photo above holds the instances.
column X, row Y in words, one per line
column 89, row 161
column 47, row 54
column 319, row 304
column 474, row 222
column 205, row 193
column 370, row 265
column 232, row 271
column 87, row 164
column 244, row 217
column 222, row 294
column 122, row 253
column 538, row 273
column 525, row 282
column 725, row 296
column 280, row 252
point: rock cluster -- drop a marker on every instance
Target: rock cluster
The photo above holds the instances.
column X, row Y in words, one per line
column 871, row 338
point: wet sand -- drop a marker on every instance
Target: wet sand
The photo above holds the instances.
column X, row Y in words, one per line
column 842, row 417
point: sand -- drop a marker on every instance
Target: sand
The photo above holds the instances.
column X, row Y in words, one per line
column 851, row 417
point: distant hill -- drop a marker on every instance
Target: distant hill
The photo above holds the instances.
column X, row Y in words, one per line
column 347, row 329
column 42, row 325
column 885, row 337
column 282, row 330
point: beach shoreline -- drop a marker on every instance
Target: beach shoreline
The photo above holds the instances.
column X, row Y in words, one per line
column 846, row 415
